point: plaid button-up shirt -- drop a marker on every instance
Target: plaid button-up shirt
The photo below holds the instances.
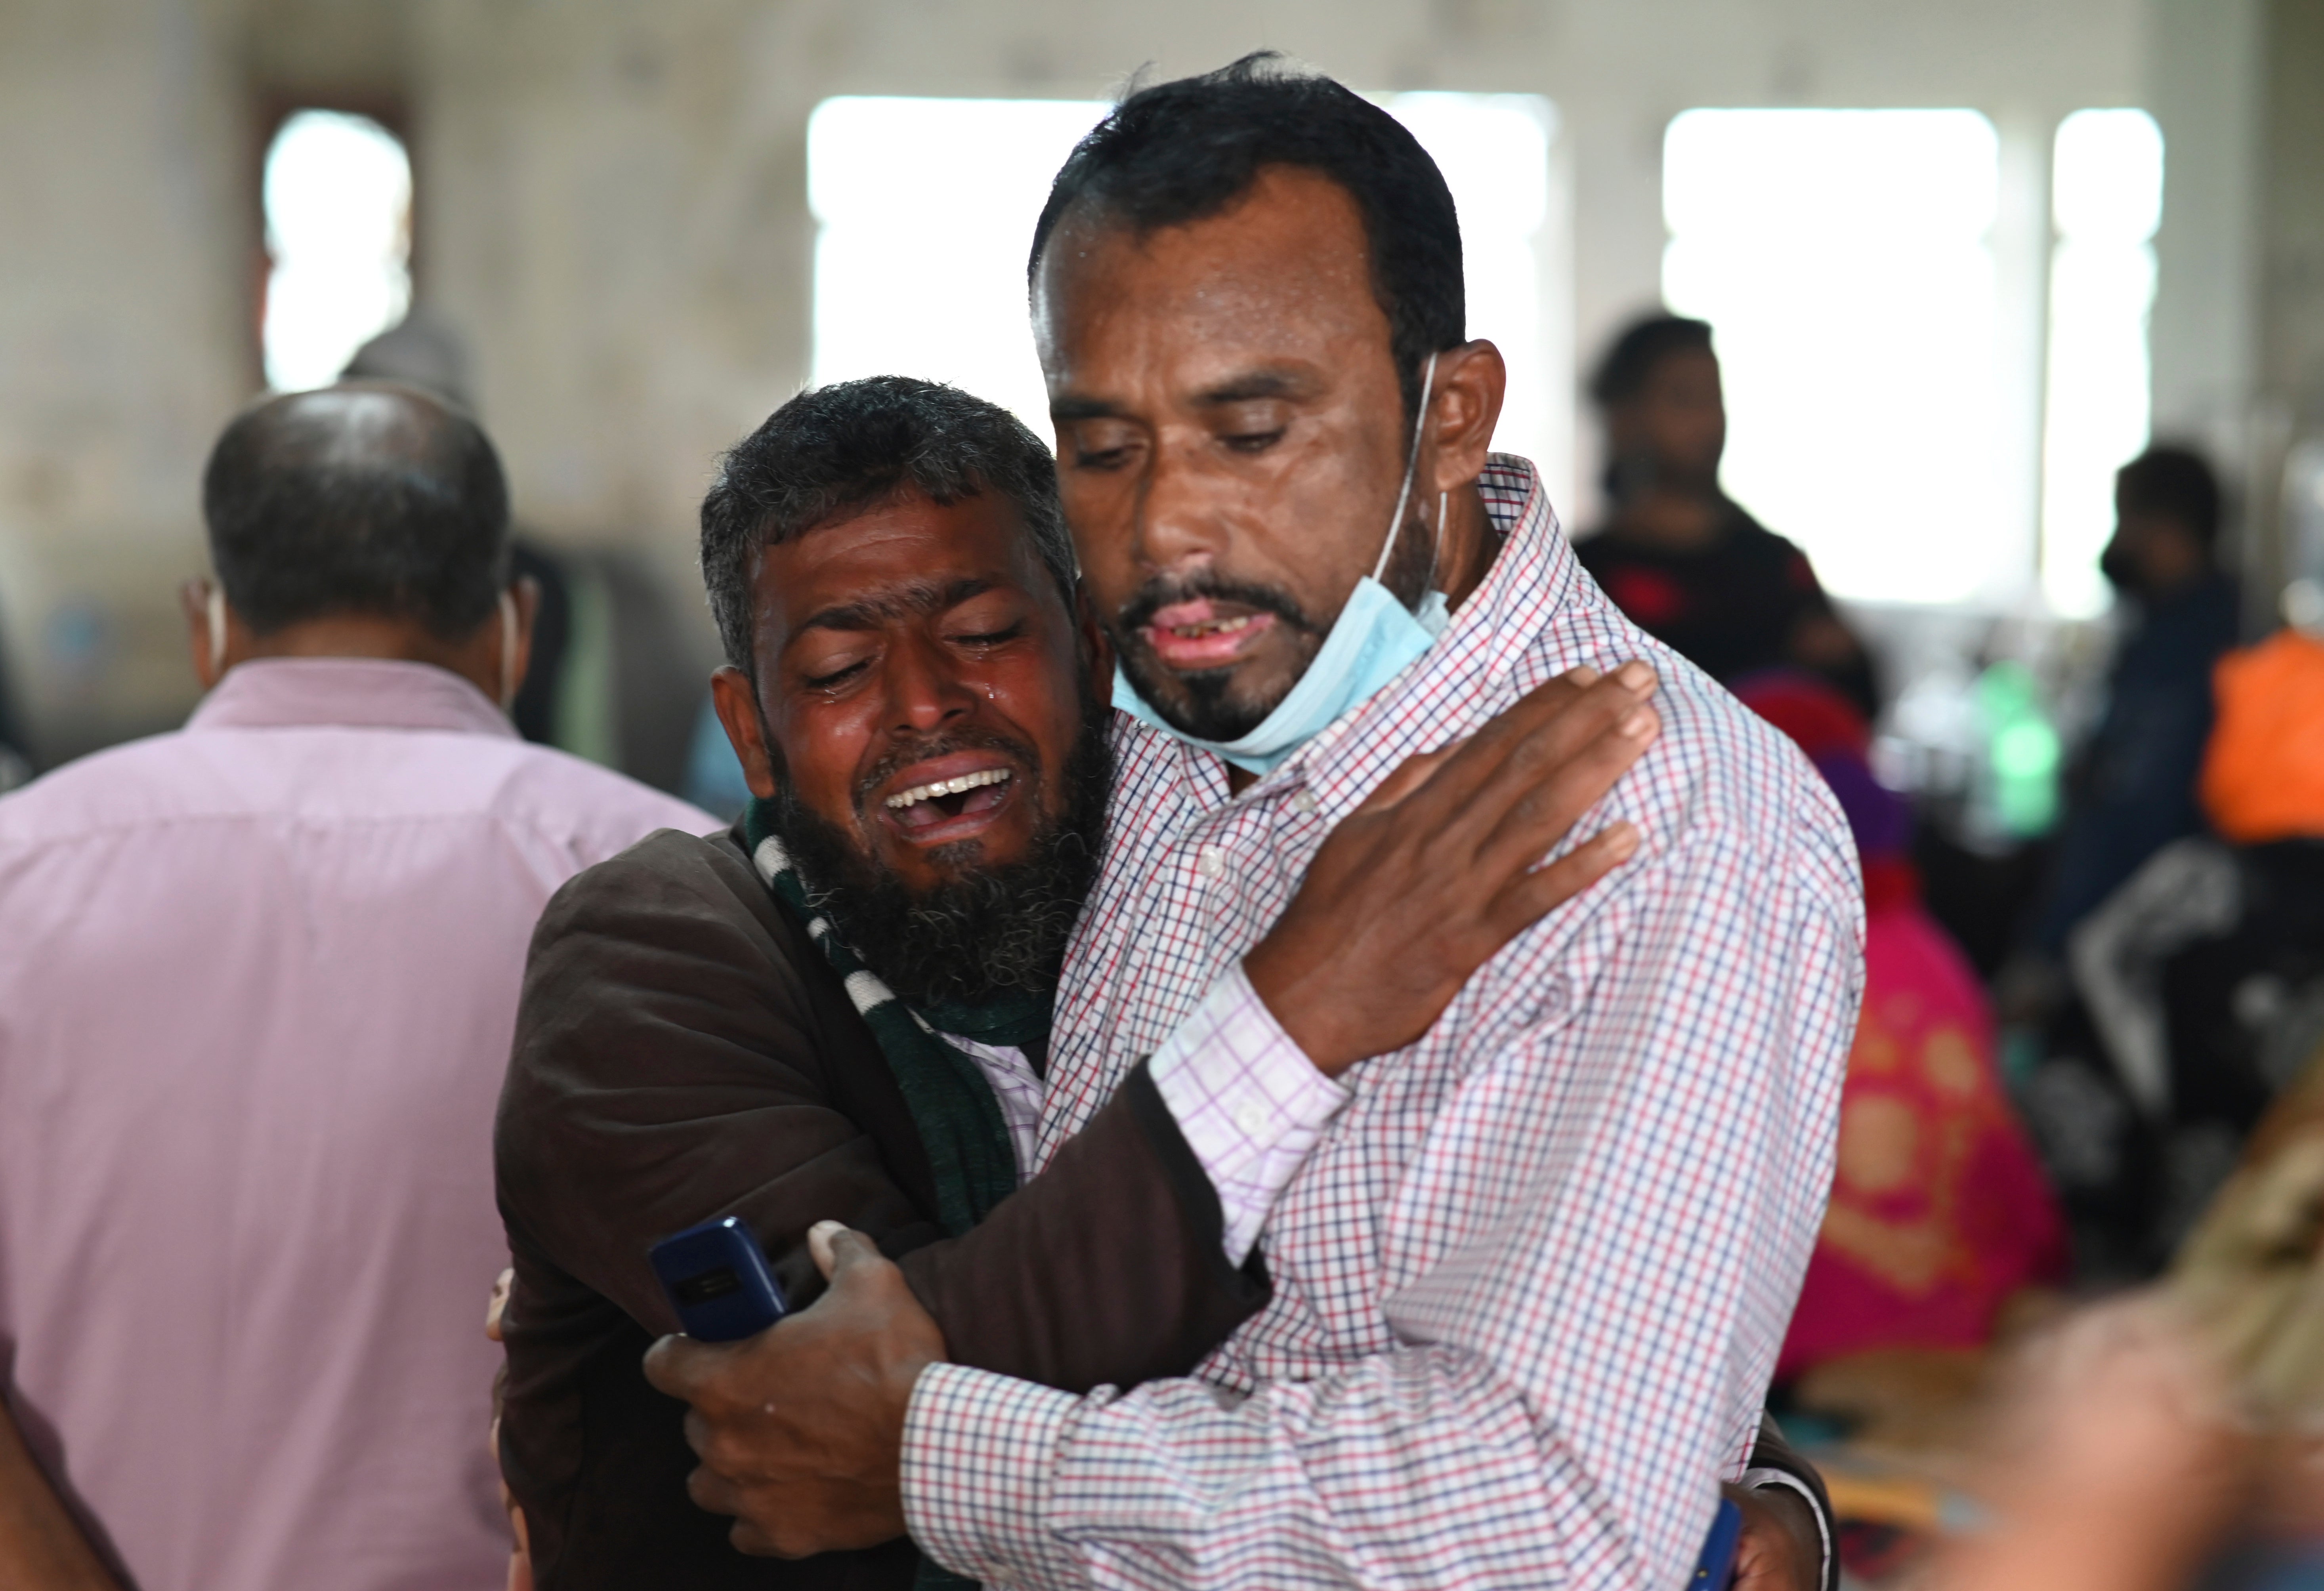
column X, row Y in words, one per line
column 1530, row 1283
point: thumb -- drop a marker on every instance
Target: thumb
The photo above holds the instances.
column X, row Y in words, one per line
column 836, row 1247
column 674, row 1364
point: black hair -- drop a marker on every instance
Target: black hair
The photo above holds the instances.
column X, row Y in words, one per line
column 1629, row 363
column 2175, row 483
column 368, row 498
column 1179, row 152
column 837, row 451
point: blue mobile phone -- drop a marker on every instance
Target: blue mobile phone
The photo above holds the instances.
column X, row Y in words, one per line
column 718, row 1281
column 1716, row 1568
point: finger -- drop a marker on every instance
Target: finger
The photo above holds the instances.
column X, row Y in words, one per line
column 746, row 1537
column 1408, row 776
column 678, row 1366
column 1554, row 695
column 850, row 1250
column 1535, row 896
column 712, row 1491
column 1544, row 737
column 1526, row 810
column 819, row 1246
column 1545, row 727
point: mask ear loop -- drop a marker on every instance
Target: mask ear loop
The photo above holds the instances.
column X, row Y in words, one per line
column 214, row 616
column 1436, row 549
column 508, row 651
column 1411, row 463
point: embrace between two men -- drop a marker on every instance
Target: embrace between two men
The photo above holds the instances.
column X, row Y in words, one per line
column 1251, row 1167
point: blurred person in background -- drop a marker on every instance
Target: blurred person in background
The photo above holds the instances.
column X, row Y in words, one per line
column 616, row 668
column 261, row 978
column 422, row 350
column 2152, row 1073
column 1678, row 555
column 2134, row 791
column 2117, row 1460
column 1940, row 1215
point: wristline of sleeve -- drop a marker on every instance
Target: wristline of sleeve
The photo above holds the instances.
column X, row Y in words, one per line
column 1247, row 1284
column 979, row 1452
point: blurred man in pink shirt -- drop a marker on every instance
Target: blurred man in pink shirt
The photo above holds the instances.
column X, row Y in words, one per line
column 257, row 984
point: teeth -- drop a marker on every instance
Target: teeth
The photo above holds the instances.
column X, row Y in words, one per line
column 1210, row 627
column 920, row 793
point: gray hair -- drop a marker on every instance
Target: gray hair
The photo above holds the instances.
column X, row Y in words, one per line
column 840, row 450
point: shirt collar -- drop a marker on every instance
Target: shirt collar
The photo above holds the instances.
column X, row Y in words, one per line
column 1457, row 683
column 347, row 693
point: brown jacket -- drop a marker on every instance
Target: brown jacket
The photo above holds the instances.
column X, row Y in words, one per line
column 684, row 1053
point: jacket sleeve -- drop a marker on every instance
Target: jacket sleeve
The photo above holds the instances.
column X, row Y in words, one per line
column 1107, row 1263
column 1774, row 1462
column 673, row 1063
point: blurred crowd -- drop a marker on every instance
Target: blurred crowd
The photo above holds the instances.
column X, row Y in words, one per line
column 2129, row 1094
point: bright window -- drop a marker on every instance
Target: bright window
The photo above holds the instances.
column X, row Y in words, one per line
column 339, row 232
column 1843, row 259
column 2106, row 199
column 927, row 209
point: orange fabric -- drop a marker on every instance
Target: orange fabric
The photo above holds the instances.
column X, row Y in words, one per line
column 2264, row 770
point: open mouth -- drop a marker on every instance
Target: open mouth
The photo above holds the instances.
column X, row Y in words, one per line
column 940, row 802
column 1210, row 627
column 1201, row 634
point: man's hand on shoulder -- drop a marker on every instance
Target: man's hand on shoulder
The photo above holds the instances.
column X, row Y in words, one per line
column 1443, row 866
column 800, row 1429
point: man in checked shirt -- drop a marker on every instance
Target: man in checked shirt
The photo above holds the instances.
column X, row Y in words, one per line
column 1530, row 1283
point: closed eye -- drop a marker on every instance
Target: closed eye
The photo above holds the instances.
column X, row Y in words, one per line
column 992, row 637
column 1253, row 441
column 824, row 682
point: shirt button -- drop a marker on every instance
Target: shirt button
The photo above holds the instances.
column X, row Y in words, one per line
column 1305, row 801
column 1212, row 863
column 1252, row 1117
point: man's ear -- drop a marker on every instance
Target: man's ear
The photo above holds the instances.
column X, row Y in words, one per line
column 1097, row 649
column 524, row 591
column 737, row 702
column 1465, row 407
column 210, row 659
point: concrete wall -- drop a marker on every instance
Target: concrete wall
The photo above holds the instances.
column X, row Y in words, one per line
column 121, row 340
column 612, row 210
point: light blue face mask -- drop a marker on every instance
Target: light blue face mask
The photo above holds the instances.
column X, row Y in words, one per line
column 1373, row 639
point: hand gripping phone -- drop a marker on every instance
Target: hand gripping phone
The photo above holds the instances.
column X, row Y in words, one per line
column 718, row 1281
column 1715, row 1569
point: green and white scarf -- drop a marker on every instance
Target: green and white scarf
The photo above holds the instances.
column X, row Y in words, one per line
column 953, row 1106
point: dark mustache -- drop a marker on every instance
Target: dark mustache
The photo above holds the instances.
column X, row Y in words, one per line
column 1161, row 592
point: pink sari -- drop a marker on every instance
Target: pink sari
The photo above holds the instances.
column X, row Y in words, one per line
column 1939, row 1209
